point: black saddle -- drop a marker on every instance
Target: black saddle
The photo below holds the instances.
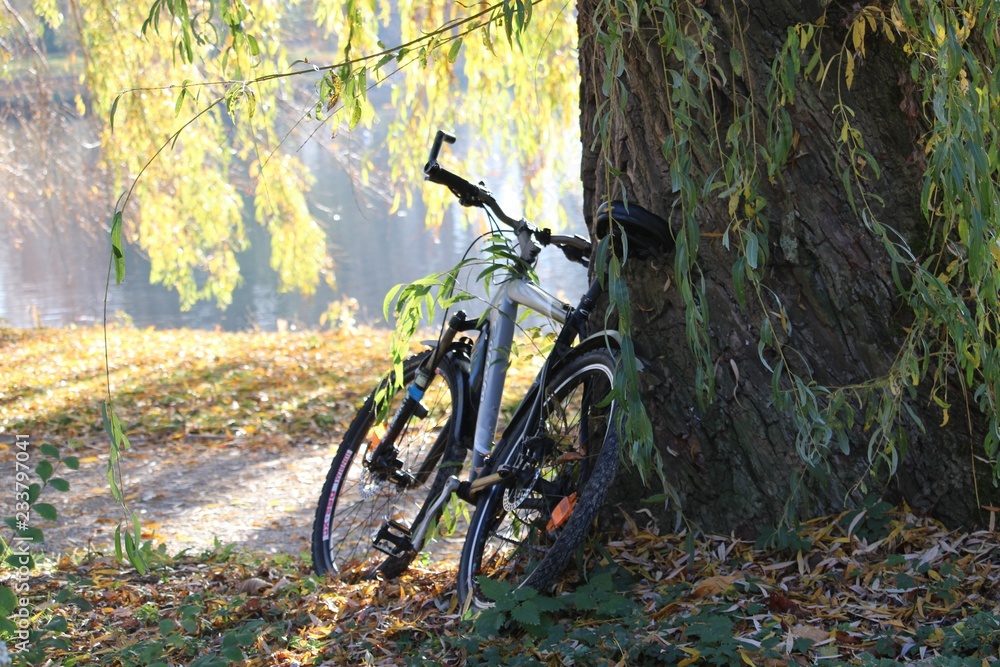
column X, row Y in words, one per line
column 648, row 234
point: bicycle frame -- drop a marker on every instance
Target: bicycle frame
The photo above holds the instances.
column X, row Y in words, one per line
column 518, row 290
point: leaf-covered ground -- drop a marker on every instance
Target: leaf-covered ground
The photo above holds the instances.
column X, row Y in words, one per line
column 919, row 593
column 182, row 384
column 865, row 587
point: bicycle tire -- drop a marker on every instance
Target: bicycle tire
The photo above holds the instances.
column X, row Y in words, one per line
column 513, row 535
column 355, row 503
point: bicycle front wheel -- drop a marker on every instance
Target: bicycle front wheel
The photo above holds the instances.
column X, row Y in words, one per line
column 525, row 530
column 362, row 503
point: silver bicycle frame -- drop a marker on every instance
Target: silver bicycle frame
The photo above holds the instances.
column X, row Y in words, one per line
column 517, row 290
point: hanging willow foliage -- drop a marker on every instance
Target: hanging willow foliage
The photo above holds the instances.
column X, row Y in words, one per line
column 727, row 153
column 200, row 98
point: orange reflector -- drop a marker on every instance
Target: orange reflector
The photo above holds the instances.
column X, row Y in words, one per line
column 562, row 512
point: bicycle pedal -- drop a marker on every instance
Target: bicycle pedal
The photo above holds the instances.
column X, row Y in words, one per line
column 393, row 539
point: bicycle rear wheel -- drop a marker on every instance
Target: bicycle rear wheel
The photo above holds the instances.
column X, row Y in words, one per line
column 360, row 502
column 525, row 530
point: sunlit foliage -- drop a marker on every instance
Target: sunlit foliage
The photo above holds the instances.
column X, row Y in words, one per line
column 199, row 100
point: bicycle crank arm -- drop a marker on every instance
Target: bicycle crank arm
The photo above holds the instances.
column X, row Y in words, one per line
column 470, row 490
column 449, row 488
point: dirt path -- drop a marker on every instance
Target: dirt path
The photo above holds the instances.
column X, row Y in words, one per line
column 259, row 497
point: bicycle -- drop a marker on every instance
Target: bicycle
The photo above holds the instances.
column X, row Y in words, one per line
column 539, row 488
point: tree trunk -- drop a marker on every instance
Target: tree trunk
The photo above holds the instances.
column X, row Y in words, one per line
column 734, row 464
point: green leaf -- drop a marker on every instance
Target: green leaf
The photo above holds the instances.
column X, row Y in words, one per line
column 117, row 253
column 493, row 589
column 526, row 614
column 356, row 111
column 49, row 450
column 456, row 46
column 180, row 100
column 132, row 550
column 32, row 534
column 907, row 12
column 59, row 484
column 56, row 624
column 233, row 653
column 113, row 427
column 46, row 511
column 21, row 560
column 751, row 249
column 114, row 108
column 118, row 542
column 234, row 13
column 8, row 601
column 44, row 470
column 253, row 46
column 71, row 462
column 388, row 57
column 736, row 60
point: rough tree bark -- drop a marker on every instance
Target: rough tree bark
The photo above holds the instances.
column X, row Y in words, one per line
column 734, row 464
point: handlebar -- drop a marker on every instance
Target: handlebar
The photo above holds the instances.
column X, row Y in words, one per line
column 441, row 136
column 576, row 248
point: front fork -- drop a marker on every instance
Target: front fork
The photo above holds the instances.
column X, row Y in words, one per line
column 384, row 458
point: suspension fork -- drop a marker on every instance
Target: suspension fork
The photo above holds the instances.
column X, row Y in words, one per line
column 383, row 458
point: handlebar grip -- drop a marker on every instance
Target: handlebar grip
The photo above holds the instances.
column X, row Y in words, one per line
column 440, row 137
column 467, row 193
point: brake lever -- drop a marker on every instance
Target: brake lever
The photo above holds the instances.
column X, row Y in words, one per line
column 576, row 255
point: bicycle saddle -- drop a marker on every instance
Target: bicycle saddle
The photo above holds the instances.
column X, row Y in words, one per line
column 648, row 234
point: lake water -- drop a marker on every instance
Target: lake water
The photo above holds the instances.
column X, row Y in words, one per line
column 54, row 245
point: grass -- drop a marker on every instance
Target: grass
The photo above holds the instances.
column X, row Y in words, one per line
column 869, row 588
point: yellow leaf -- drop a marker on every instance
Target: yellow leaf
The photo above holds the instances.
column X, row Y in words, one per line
column 715, row 585
column 809, row 632
column 694, row 653
column 936, row 638
column 858, row 34
column 939, row 30
column 849, row 70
